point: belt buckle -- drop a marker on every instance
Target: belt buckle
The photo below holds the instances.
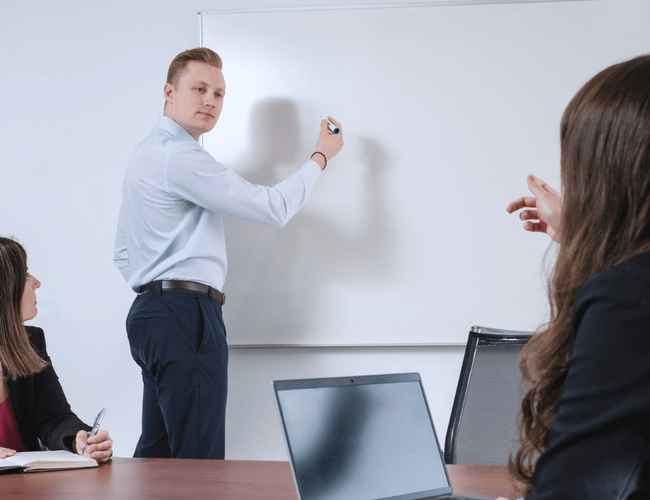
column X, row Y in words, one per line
column 216, row 295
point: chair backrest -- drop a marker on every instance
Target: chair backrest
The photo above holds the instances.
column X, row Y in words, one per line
column 483, row 424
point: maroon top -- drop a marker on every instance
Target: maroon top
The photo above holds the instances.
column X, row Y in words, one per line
column 9, row 435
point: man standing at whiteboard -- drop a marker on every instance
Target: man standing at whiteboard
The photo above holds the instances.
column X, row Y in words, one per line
column 170, row 248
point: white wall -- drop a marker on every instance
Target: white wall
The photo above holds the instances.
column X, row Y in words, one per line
column 81, row 83
column 254, row 429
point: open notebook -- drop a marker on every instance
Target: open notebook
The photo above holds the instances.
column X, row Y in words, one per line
column 34, row 461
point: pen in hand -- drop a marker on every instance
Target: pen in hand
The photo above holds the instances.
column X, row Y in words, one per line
column 95, row 428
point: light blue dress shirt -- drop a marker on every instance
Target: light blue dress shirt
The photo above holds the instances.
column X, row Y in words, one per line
column 174, row 198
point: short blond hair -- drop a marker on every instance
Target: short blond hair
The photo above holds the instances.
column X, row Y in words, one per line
column 200, row 54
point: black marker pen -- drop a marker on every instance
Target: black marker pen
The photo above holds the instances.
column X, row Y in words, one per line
column 332, row 128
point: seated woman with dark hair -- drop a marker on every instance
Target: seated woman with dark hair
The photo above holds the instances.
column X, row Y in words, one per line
column 585, row 420
column 32, row 404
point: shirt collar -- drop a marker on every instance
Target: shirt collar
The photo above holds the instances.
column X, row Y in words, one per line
column 166, row 123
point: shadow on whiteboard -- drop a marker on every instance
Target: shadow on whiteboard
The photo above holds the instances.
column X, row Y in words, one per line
column 284, row 283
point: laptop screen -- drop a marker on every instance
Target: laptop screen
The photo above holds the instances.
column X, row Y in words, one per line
column 359, row 438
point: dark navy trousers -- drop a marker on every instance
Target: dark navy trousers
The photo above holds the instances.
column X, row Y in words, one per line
column 178, row 339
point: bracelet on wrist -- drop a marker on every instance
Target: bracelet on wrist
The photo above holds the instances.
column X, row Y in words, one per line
column 323, row 155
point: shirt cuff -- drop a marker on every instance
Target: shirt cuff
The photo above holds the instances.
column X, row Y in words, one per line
column 312, row 166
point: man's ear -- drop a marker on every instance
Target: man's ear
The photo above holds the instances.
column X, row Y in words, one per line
column 168, row 91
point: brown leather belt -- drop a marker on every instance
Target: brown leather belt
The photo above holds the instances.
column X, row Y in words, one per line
column 162, row 285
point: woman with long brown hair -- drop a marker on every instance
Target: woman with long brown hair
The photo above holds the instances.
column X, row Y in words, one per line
column 33, row 407
column 585, row 419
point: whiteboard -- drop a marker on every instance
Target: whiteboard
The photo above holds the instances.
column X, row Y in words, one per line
column 445, row 111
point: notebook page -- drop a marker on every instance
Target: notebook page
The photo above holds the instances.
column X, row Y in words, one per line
column 57, row 458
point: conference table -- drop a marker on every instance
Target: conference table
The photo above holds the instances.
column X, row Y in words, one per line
column 162, row 479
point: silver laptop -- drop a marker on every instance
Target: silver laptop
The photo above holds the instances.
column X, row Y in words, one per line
column 362, row 438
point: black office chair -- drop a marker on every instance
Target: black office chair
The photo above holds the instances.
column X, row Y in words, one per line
column 483, row 424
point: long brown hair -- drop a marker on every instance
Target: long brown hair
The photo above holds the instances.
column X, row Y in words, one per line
column 605, row 170
column 17, row 356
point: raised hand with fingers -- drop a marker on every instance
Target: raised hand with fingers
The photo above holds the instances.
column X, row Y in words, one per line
column 542, row 211
column 329, row 144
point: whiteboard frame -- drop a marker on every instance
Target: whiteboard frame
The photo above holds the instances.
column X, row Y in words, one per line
column 302, row 345
column 370, row 6
column 379, row 5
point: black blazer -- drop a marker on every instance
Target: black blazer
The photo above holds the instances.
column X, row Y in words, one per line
column 598, row 446
column 41, row 409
